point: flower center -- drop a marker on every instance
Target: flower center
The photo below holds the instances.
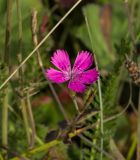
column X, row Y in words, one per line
column 75, row 73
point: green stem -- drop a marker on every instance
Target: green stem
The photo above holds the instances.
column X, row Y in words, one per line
column 1, row 158
column 32, row 123
column 5, row 119
column 42, row 148
column 132, row 148
column 8, row 31
column 25, row 119
column 75, row 102
column 6, row 60
column 19, row 26
column 99, row 89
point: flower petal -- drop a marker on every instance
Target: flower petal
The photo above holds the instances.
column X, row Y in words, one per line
column 61, row 60
column 89, row 76
column 83, row 61
column 79, row 81
column 57, row 76
column 76, row 86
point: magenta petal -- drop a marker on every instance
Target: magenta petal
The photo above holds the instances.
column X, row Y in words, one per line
column 89, row 76
column 56, row 76
column 76, row 86
column 61, row 60
column 83, row 61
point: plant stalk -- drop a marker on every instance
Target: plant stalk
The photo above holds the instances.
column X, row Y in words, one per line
column 99, row 90
column 6, row 61
column 32, row 122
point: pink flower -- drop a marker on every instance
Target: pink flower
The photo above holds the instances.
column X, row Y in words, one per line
column 79, row 76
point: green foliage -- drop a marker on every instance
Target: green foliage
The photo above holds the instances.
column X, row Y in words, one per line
column 99, row 44
column 111, row 85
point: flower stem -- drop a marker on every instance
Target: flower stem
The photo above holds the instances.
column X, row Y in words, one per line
column 75, row 102
column 76, row 105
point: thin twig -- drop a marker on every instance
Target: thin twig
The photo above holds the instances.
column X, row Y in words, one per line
column 43, row 40
column 40, row 62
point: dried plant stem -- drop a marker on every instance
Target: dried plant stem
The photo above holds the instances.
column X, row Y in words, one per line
column 25, row 110
column 25, row 119
column 43, row 40
column 115, row 150
column 32, row 123
column 99, row 89
column 39, row 59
